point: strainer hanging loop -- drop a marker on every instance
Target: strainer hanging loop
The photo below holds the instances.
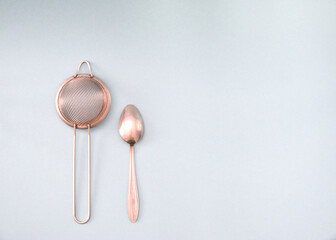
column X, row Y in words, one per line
column 79, row 66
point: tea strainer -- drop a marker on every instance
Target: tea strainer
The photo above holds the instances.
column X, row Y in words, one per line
column 83, row 101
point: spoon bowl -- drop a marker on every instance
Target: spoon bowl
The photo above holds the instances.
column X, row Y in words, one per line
column 131, row 125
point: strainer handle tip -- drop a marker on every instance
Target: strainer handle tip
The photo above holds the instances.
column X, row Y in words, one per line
column 79, row 66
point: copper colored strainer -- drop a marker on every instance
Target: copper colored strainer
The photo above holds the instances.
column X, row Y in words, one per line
column 82, row 101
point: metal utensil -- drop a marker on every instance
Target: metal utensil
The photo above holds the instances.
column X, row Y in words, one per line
column 83, row 101
column 131, row 130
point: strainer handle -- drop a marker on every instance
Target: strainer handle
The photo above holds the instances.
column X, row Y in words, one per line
column 80, row 67
column 89, row 177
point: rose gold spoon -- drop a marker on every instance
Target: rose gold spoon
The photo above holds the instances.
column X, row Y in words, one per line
column 131, row 130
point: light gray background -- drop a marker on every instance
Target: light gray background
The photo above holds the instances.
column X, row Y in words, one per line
column 239, row 103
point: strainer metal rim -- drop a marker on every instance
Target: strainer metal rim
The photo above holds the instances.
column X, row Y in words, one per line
column 106, row 103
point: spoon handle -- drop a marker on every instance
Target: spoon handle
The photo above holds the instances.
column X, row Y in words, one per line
column 133, row 199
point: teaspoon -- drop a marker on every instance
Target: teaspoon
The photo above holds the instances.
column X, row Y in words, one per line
column 131, row 130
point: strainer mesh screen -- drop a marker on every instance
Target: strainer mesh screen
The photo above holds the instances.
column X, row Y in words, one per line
column 81, row 100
